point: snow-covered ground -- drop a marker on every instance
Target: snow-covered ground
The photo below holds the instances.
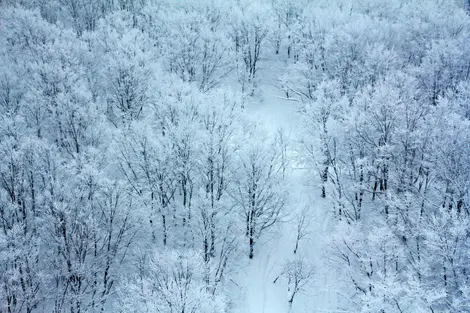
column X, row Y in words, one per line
column 255, row 282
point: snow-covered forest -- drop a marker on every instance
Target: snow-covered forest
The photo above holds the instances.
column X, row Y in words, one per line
column 234, row 156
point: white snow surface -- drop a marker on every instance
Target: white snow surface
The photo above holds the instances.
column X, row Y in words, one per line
column 254, row 282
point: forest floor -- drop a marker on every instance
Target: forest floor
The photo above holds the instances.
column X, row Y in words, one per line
column 255, row 282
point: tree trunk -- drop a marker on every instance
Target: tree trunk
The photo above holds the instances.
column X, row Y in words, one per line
column 324, row 179
column 212, row 227
column 164, row 229
column 296, row 245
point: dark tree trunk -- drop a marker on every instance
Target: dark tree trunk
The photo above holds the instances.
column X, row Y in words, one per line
column 164, row 229
column 324, row 180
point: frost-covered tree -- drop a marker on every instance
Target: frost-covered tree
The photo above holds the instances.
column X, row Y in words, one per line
column 250, row 26
column 299, row 273
column 304, row 223
column 174, row 283
column 193, row 41
column 126, row 79
column 320, row 118
column 220, row 118
column 145, row 162
column 258, row 189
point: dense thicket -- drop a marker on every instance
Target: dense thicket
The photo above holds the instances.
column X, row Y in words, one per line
column 131, row 178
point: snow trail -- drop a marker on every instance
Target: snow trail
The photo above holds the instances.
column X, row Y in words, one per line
column 262, row 295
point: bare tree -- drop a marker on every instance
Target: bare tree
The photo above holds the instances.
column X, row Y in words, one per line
column 304, row 222
column 299, row 274
column 174, row 284
column 258, row 192
column 249, row 31
column 146, row 164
